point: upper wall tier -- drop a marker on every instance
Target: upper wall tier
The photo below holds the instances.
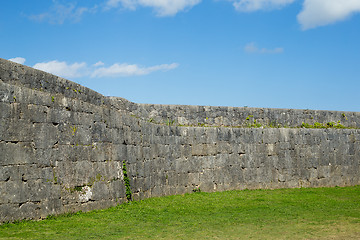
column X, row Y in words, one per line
column 238, row 116
column 21, row 75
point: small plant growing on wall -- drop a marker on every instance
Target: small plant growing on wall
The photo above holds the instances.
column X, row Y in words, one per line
column 344, row 116
column 127, row 183
column 169, row 122
column 74, row 129
column 248, row 117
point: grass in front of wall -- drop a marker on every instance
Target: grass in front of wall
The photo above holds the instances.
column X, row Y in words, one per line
column 307, row 213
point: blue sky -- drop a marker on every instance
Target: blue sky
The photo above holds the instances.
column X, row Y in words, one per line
column 301, row 54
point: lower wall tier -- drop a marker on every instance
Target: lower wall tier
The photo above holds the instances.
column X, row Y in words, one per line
column 179, row 160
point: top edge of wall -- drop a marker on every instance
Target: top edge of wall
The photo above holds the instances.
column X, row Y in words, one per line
column 170, row 106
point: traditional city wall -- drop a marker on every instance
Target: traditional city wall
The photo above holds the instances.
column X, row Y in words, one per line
column 63, row 147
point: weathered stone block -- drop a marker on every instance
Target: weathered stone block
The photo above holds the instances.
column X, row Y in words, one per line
column 16, row 153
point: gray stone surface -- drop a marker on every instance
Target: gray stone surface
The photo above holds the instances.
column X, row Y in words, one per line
column 62, row 147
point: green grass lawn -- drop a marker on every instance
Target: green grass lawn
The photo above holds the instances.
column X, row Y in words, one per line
column 307, row 213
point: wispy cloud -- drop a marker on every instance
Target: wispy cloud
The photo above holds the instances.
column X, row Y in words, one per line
column 129, row 4
column 59, row 13
column 317, row 13
column 252, row 48
column 18, row 60
column 161, row 7
column 97, row 70
column 63, row 69
column 98, row 64
column 124, row 69
column 255, row 5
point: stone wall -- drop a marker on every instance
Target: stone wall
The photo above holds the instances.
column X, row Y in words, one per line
column 235, row 116
column 62, row 147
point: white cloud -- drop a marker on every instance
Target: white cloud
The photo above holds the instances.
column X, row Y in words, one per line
column 59, row 13
column 255, row 5
column 124, row 69
column 63, row 69
column 97, row 70
column 18, row 60
column 252, row 48
column 161, row 7
column 130, row 4
column 317, row 13
column 98, row 64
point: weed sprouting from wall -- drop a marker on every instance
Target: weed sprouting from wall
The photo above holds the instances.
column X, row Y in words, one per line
column 127, row 183
column 169, row 122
